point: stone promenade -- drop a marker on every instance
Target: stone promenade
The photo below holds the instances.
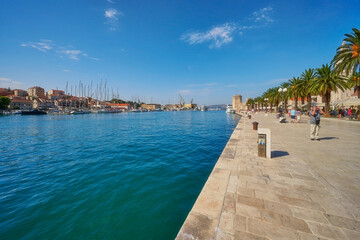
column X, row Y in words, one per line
column 308, row 190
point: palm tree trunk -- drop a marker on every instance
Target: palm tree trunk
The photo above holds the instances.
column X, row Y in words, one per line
column 277, row 107
column 327, row 104
column 271, row 107
column 296, row 103
column 302, row 100
column 308, row 102
column 285, row 105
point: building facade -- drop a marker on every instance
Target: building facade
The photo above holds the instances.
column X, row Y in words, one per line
column 20, row 103
column 36, row 92
column 20, row 93
column 151, row 106
column 237, row 103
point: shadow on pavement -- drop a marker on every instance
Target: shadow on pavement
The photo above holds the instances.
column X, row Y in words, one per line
column 275, row 154
column 328, row 138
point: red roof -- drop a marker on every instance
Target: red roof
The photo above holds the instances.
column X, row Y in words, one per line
column 119, row 104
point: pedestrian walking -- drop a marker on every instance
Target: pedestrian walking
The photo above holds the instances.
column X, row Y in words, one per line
column 292, row 114
column 315, row 123
column 298, row 115
column 340, row 113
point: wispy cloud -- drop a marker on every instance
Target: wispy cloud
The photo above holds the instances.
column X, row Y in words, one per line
column 262, row 15
column 110, row 1
column 43, row 45
column 48, row 46
column 224, row 34
column 8, row 82
column 111, row 16
column 185, row 92
column 66, row 70
column 72, row 54
column 217, row 36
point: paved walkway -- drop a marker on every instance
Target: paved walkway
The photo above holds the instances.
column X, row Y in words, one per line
column 308, row 190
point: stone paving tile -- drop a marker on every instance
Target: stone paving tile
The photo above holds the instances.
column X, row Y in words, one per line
column 285, row 220
column 248, row 211
column 247, row 197
column 198, row 226
column 248, row 236
column 272, row 231
column 306, row 236
column 230, row 202
column 309, row 215
column 347, row 223
column 351, row 234
column 227, row 220
column 326, row 231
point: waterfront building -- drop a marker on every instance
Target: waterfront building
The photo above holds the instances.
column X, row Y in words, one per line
column 151, row 106
column 190, row 105
column 36, row 92
column 20, row 93
column 237, row 103
column 55, row 94
column 6, row 92
column 20, row 103
column 42, row 103
column 120, row 106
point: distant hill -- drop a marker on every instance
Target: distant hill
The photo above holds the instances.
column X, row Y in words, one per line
column 220, row 106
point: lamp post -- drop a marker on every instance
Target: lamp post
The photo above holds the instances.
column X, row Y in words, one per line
column 266, row 99
column 282, row 91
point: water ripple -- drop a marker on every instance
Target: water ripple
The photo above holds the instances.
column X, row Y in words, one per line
column 116, row 176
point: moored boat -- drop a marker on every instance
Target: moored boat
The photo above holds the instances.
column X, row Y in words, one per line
column 229, row 109
column 33, row 112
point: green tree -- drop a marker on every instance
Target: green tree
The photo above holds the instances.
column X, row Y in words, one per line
column 307, row 77
column 274, row 97
column 250, row 103
column 257, row 101
column 347, row 57
column 4, row 102
column 327, row 80
column 285, row 95
column 295, row 90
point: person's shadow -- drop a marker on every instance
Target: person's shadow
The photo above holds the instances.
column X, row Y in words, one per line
column 275, row 154
column 328, row 138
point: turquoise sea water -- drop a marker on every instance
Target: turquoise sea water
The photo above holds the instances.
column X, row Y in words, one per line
column 110, row 176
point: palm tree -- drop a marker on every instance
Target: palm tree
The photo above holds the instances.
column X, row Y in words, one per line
column 250, row 103
column 327, row 80
column 286, row 95
column 347, row 58
column 274, row 97
column 308, row 78
column 354, row 81
column 295, row 92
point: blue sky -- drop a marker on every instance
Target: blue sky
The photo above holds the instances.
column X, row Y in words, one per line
column 156, row 50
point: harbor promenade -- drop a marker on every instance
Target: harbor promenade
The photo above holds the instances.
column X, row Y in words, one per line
column 308, row 190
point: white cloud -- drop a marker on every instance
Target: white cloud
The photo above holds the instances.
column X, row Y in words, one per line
column 47, row 46
column 66, row 70
column 7, row 82
column 217, row 36
column 111, row 16
column 111, row 13
column 43, row 45
column 224, row 34
column 262, row 15
column 185, row 92
column 110, row 1
column 72, row 54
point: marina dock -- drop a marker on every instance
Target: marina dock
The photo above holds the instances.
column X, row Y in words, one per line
column 308, row 190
